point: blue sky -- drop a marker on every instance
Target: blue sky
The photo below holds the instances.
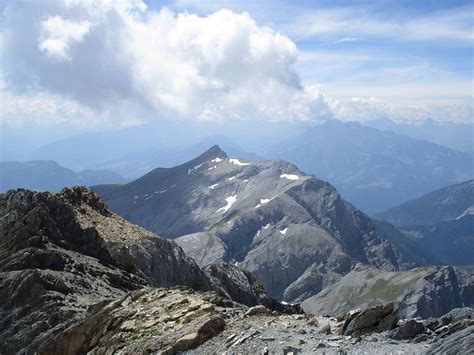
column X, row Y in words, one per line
column 432, row 57
column 125, row 62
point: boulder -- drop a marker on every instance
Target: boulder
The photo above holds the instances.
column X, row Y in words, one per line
column 408, row 329
column 378, row 318
column 252, row 311
column 207, row 330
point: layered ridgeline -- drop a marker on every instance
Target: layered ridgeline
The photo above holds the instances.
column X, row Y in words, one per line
column 440, row 223
column 62, row 255
column 45, row 175
column 371, row 168
column 446, row 204
column 421, row 292
column 293, row 231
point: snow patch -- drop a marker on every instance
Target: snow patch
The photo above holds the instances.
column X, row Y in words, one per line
column 231, row 178
column 160, row 192
column 468, row 211
column 230, row 201
column 194, row 168
column 289, row 176
column 283, row 231
column 216, row 160
column 147, row 198
column 212, row 187
column 258, row 233
column 266, row 226
column 212, row 167
column 237, row 162
column 263, row 201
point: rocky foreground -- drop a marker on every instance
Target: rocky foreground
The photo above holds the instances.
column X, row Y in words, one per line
column 75, row 278
column 169, row 321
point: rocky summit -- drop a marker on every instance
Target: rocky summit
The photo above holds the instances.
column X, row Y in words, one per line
column 292, row 231
column 63, row 253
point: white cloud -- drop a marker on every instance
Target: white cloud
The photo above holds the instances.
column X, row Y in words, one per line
column 57, row 34
column 120, row 59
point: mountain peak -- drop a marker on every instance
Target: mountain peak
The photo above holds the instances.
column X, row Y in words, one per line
column 214, row 152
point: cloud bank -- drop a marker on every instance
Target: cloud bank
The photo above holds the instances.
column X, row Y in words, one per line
column 120, row 60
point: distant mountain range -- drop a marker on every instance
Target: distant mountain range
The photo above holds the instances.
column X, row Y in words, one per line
column 458, row 136
column 373, row 169
column 293, row 231
column 446, row 204
column 441, row 223
column 50, row 176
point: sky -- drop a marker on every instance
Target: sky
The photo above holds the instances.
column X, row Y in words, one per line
column 119, row 63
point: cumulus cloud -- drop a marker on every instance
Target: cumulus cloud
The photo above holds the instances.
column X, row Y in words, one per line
column 57, row 34
column 122, row 60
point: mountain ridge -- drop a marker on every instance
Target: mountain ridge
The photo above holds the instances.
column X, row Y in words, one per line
column 268, row 217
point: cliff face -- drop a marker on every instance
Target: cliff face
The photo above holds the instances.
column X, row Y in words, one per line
column 63, row 253
column 51, row 268
column 420, row 292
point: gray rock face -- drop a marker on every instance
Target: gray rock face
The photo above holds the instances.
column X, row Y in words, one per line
column 440, row 223
column 442, row 205
column 63, row 253
column 168, row 321
column 424, row 292
column 377, row 318
column 293, row 231
column 51, row 269
column 461, row 342
column 242, row 287
column 408, row 329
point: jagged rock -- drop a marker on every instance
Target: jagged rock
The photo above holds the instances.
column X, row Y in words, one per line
column 461, row 342
column 243, row 287
column 408, row 329
column 378, row 318
column 457, row 314
column 164, row 320
column 62, row 253
column 51, row 269
column 208, row 329
column 420, row 292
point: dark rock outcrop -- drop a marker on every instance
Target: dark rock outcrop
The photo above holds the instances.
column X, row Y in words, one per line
column 461, row 342
column 144, row 321
column 408, row 329
column 64, row 253
column 243, row 287
column 51, row 269
column 374, row 319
